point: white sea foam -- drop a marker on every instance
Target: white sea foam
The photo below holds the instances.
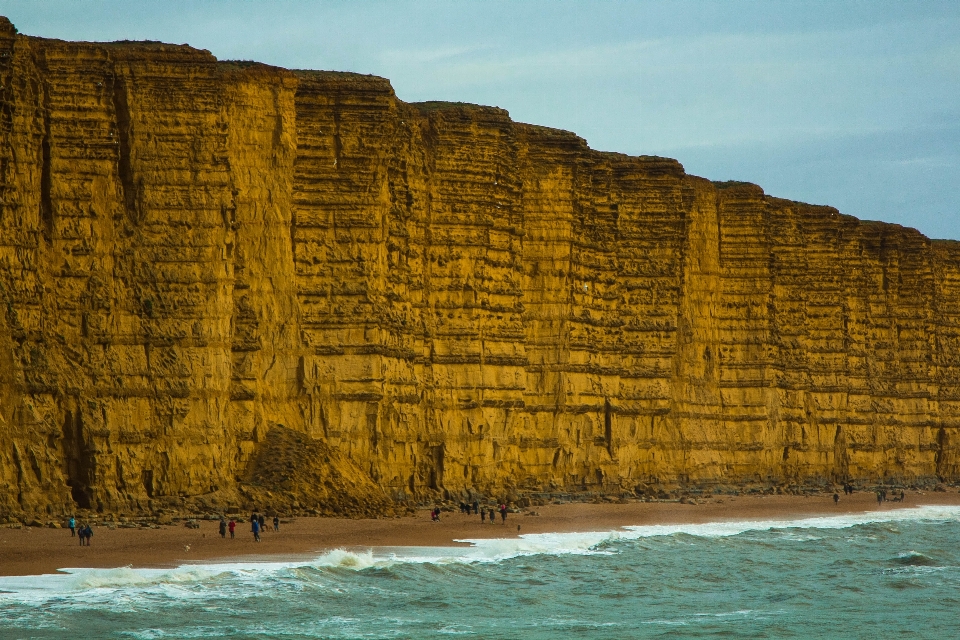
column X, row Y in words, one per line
column 498, row 549
column 92, row 583
column 932, row 513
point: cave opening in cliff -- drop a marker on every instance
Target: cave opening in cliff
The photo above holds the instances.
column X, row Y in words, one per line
column 80, row 497
column 940, row 458
column 608, row 426
column 436, row 470
column 148, row 482
column 76, row 459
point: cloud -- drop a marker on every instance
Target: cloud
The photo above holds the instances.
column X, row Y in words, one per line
column 428, row 56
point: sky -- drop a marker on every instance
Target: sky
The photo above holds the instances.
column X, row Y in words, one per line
column 846, row 103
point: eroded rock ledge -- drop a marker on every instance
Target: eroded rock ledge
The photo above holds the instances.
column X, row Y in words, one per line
column 195, row 252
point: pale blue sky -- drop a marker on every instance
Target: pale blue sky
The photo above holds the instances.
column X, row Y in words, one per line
column 852, row 104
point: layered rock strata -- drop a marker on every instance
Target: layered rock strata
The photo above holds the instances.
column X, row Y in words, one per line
column 195, row 254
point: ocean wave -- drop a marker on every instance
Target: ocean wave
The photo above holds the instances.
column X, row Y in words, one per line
column 491, row 550
column 596, row 542
column 840, row 521
column 84, row 579
column 914, row 559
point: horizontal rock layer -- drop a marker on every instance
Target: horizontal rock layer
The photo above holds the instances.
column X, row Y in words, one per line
column 194, row 252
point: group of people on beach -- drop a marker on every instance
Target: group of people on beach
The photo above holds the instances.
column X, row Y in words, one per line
column 227, row 526
column 475, row 508
column 85, row 532
column 257, row 525
column 882, row 496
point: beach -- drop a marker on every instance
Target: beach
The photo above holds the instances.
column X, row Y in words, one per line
column 34, row 551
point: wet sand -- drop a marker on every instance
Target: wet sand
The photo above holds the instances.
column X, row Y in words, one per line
column 32, row 551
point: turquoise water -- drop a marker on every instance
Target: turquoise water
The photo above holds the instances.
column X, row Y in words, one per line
column 876, row 575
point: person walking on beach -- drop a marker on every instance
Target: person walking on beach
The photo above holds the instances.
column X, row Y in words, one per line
column 476, row 507
column 503, row 513
column 879, row 497
column 72, row 523
column 231, row 527
column 483, row 516
column 276, row 523
column 836, row 498
column 81, row 532
column 262, row 520
column 255, row 526
column 88, row 533
column 493, row 516
column 223, row 528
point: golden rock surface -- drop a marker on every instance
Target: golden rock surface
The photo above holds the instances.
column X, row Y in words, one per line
column 194, row 253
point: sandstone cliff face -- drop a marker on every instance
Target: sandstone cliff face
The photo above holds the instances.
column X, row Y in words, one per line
column 195, row 254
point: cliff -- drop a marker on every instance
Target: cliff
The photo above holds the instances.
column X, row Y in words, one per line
column 211, row 271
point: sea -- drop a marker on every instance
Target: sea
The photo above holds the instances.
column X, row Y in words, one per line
column 876, row 575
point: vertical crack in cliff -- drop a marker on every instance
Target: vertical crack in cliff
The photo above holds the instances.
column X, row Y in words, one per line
column 337, row 140
column 128, row 182
column 46, row 204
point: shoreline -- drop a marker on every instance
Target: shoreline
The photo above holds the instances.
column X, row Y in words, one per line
column 34, row 551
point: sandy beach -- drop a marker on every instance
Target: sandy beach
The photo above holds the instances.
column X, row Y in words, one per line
column 32, row 550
